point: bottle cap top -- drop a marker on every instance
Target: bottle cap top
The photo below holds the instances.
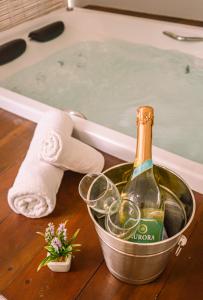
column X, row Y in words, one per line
column 145, row 114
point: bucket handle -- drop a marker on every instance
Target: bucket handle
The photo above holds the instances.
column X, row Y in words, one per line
column 181, row 243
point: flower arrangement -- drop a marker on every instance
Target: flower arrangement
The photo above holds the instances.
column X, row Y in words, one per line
column 59, row 247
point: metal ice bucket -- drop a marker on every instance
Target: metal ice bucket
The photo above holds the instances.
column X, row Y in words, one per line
column 141, row 263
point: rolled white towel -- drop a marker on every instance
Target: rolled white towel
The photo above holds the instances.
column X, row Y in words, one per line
column 56, row 120
column 70, row 154
column 33, row 193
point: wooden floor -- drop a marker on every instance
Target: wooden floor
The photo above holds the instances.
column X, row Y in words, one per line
column 21, row 249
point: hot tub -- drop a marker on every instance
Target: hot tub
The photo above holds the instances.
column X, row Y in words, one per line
column 178, row 137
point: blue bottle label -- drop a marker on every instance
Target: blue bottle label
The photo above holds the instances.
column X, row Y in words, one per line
column 146, row 165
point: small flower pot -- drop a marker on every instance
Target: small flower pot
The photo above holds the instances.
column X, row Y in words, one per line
column 64, row 266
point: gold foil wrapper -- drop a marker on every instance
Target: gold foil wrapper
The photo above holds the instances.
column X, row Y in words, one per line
column 145, row 114
column 145, row 118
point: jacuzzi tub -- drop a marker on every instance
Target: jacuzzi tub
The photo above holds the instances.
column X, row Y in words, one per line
column 87, row 25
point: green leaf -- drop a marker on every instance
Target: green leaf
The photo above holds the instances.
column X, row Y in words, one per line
column 40, row 233
column 49, row 248
column 76, row 245
column 74, row 235
column 69, row 248
column 44, row 262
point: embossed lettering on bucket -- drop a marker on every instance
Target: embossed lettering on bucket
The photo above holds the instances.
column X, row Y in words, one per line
column 142, row 263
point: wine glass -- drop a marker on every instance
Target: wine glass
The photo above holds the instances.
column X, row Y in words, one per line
column 122, row 219
column 98, row 191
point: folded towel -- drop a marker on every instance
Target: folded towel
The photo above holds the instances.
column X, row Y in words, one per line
column 70, row 154
column 33, row 193
column 52, row 150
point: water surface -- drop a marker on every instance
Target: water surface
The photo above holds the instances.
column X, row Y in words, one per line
column 108, row 80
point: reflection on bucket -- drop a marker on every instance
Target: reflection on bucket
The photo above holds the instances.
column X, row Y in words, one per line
column 142, row 263
column 175, row 216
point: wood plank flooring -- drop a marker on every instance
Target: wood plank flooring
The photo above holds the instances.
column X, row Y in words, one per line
column 21, row 249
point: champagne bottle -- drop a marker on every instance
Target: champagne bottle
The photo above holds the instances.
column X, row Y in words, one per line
column 142, row 188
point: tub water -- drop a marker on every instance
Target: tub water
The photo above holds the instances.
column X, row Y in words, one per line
column 106, row 65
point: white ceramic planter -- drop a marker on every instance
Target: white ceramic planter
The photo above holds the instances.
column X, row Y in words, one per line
column 60, row 266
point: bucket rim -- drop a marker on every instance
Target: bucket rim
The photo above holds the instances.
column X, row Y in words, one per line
column 155, row 243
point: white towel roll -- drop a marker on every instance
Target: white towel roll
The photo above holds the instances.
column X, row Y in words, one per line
column 33, row 193
column 51, row 147
column 71, row 154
